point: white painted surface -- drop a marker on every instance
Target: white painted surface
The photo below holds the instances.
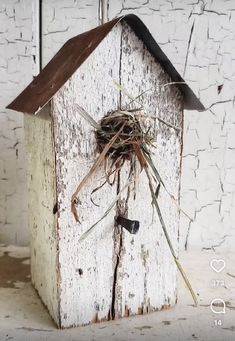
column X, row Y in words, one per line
column 208, row 166
column 206, row 60
column 18, row 63
column 146, row 273
column 42, row 200
column 23, row 317
column 209, row 138
column 86, row 297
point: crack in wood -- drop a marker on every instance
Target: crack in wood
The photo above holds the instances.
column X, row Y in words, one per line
column 118, row 244
column 121, row 209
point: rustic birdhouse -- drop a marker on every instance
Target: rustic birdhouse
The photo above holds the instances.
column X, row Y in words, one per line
column 110, row 95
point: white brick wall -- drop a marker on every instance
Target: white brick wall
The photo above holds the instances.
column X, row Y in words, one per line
column 198, row 37
column 18, row 61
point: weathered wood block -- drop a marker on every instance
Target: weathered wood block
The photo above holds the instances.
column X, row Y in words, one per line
column 111, row 273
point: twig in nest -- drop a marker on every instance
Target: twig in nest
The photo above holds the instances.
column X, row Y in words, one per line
column 134, row 99
column 75, row 200
column 131, row 134
column 160, row 120
column 121, row 137
column 141, row 108
column 87, row 117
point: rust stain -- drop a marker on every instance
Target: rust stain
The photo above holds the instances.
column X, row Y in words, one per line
column 127, row 312
column 166, row 307
column 141, row 311
column 96, row 319
column 76, row 50
column 13, row 270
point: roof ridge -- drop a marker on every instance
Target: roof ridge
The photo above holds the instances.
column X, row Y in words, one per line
column 76, row 50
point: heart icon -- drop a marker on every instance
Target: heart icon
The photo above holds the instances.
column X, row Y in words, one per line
column 217, row 265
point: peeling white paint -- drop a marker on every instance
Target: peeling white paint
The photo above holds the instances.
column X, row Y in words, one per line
column 42, row 200
column 198, row 37
column 207, row 59
column 101, row 278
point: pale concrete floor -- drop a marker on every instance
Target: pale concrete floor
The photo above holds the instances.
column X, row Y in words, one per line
column 23, row 317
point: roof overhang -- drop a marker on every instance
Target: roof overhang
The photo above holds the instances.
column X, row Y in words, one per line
column 76, row 50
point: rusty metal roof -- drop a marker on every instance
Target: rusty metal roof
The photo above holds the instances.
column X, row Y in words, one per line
column 76, row 50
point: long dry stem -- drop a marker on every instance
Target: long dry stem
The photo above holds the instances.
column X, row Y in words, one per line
column 159, row 179
column 75, row 199
column 87, row 116
column 155, row 202
column 85, row 234
column 134, row 99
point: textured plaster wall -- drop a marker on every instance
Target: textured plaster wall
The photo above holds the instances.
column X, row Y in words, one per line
column 64, row 19
column 198, row 37
column 18, row 63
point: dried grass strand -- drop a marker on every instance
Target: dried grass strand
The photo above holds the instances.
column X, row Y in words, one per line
column 98, row 162
column 179, row 266
column 85, row 234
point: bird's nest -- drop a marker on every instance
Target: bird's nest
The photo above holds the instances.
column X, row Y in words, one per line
column 131, row 135
column 121, row 136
